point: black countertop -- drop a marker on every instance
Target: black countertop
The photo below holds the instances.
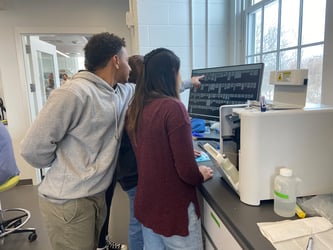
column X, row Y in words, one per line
column 239, row 218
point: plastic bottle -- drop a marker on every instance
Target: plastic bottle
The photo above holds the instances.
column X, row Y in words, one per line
column 285, row 193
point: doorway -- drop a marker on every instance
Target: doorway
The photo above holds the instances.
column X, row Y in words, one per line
column 47, row 57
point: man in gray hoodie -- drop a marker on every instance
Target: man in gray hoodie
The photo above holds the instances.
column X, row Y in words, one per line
column 76, row 135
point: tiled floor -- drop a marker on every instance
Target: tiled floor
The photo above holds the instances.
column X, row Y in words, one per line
column 27, row 197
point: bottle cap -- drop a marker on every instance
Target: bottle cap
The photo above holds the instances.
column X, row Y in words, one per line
column 286, row 172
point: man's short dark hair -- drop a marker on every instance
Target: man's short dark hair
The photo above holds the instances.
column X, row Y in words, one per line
column 100, row 48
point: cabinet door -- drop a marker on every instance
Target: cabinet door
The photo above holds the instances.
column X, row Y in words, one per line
column 208, row 244
column 216, row 230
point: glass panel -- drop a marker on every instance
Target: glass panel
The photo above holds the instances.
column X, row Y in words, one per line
column 288, row 59
column 249, row 59
column 254, row 32
column 270, row 27
column 253, row 59
column 312, row 59
column 270, row 64
column 313, row 21
column 257, row 59
column 289, row 23
column 46, row 77
column 313, row 25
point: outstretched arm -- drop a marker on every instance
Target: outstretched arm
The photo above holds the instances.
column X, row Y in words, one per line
column 193, row 82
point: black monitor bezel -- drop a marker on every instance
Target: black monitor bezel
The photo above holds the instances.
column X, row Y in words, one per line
column 196, row 72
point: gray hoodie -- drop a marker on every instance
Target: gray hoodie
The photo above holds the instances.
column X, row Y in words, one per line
column 77, row 135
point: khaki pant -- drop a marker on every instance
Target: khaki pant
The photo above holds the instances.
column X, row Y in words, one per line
column 76, row 224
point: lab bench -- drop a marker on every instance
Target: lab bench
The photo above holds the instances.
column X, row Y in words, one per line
column 227, row 222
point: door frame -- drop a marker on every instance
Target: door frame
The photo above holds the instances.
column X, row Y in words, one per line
column 25, row 31
column 32, row 62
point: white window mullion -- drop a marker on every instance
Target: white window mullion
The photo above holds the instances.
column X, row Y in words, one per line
column 300, row 26
column 278, row 36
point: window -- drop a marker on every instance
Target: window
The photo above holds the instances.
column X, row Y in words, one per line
column 287, row 34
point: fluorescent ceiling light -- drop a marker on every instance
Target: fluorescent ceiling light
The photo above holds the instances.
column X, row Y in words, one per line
column 63, row 54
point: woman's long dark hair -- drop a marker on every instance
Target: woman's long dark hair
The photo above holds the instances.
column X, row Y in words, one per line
column 159, row 79
column 136, row 64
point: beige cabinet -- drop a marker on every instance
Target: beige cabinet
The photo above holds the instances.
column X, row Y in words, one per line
column 216, row 235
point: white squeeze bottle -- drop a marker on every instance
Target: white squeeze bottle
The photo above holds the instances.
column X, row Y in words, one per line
column 285, row 193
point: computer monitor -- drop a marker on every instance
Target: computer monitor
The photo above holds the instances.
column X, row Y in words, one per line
column 224, row 86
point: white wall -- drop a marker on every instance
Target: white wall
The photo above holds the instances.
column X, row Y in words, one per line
column 40, row 16
column 196, row 30
column 165, row 24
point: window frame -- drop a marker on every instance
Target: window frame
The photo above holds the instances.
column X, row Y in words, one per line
column 249, row 56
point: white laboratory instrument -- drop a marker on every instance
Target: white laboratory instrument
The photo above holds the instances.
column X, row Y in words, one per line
column 290, row 87
column 299, row 139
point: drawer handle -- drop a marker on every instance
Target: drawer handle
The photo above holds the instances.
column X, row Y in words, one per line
column 215, row 219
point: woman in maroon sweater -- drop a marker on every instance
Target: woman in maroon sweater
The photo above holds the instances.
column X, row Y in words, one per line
column 160, row 133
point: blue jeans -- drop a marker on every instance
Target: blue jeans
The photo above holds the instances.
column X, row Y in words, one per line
column 135, row 238
column 193, row 241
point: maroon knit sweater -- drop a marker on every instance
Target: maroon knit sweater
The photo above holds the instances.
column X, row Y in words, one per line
column 168, row 173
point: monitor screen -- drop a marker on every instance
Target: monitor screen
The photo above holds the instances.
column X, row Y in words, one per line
column 224, row 86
